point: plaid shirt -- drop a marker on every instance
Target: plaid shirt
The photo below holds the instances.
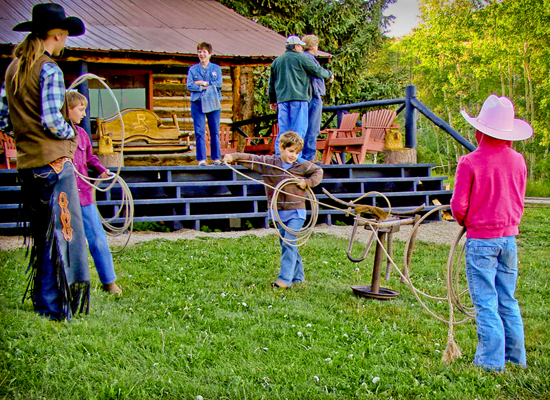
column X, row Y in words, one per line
column 53, row 96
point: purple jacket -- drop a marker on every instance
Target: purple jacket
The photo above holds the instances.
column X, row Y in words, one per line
column 84, row 158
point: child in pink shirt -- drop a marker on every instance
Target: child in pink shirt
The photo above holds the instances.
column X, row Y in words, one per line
column 488, row 200
column 93, row 228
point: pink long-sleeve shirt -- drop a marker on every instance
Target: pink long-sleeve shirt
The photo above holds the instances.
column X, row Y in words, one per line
column 84, row 158
column 489, row 191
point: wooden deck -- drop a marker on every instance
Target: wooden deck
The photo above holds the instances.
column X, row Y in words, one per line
column 217, row 197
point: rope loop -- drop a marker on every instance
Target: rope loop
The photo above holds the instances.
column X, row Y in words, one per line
column 126, row 208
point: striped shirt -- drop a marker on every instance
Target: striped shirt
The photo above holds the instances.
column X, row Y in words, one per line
column 53, row 96
column 272, row 175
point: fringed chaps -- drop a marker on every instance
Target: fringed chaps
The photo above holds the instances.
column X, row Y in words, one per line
column 59, row 282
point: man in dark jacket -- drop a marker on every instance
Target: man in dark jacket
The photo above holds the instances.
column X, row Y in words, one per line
column 290, row 87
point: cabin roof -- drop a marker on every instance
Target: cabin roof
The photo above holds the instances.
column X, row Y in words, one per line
column 154, row 26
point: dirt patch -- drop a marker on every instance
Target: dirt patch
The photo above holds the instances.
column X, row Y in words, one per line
column 443, row 232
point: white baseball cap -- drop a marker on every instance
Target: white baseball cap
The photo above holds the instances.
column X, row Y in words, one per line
column 294, row 40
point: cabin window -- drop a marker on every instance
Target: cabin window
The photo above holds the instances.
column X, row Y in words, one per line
column 103, row 105
column 129, row 89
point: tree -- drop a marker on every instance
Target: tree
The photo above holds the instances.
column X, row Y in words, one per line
column 465, row 50
column 351, row 30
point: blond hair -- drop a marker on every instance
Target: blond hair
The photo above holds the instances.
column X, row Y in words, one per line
column 75, row 99
column 290, row 138
column 28, row 52
column 310, row 41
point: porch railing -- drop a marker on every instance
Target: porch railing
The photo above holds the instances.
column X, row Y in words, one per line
column 410, row 104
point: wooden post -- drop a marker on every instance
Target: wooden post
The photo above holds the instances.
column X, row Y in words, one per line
column 84, row 90
column 410, row 117
column 149, row 94
column 390, row 253
column 377, row 268
column 236, row 88
column 400, row 156
column 236, row 79
column 111, row 160
column 406, row 155
column 247, row 101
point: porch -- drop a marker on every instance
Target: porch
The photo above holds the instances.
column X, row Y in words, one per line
column 218, row 198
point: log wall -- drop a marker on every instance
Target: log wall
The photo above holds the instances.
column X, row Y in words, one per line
column 170, row 95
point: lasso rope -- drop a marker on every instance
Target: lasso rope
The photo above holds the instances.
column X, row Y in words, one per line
column 453, row 294
column 302, row 235
column 126, row 208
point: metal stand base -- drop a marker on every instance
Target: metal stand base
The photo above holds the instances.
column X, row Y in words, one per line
column 381, row 294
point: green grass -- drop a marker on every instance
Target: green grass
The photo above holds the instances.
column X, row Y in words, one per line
column 199, row 318
column 538, row 188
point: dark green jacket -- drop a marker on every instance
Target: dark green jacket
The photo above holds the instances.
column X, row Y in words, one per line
column 289, row 80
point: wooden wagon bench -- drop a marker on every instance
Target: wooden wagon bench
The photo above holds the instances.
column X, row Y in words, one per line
column 143, row 132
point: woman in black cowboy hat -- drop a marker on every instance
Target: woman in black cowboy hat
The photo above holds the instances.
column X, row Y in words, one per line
column 32, row 105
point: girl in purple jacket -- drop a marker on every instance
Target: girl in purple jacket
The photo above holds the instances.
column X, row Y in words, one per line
column 488, row 200
column 95, row 234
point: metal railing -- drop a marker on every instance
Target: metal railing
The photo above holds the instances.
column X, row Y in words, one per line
column 410, row 104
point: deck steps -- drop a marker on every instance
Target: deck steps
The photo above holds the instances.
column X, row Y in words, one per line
column 218, row 197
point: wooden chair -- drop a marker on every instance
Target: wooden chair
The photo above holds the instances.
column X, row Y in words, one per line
column 264, row 144
column 227, row 143
column 375, row 125
column 8, row 144
column 347, row 129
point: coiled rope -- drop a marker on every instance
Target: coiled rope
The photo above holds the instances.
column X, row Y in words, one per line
column 126, row 208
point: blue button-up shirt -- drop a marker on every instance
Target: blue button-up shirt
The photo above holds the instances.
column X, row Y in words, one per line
column 53, row 96
column 211, row 74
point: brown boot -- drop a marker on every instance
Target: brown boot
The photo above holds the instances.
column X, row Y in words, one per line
column 279, row 284
column 112, row 288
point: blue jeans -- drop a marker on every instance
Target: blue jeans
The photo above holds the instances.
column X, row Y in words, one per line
column 315, row 110
column 97, row 242
column 292, row 269
column 291, row 116
column 200, row 129
column 491, row 270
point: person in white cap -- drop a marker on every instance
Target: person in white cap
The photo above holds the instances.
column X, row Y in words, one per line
column 488, row 200
column 290, row 87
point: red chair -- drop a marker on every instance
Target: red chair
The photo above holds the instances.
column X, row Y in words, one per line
column 265, row 144
column 8, row 144
column 227, row 143
column 347, row 129
column 375, row 125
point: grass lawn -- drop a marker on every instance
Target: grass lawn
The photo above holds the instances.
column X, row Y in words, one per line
column 199, row 319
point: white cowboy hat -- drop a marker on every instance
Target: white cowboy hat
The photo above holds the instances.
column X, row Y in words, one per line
column 496, row 119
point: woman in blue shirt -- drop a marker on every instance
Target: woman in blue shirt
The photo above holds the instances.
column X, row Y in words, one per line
column 199, row 77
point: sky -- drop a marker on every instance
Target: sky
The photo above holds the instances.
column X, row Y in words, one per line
column 406, row 13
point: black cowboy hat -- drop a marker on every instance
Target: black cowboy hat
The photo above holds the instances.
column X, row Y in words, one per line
column 46, row 16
